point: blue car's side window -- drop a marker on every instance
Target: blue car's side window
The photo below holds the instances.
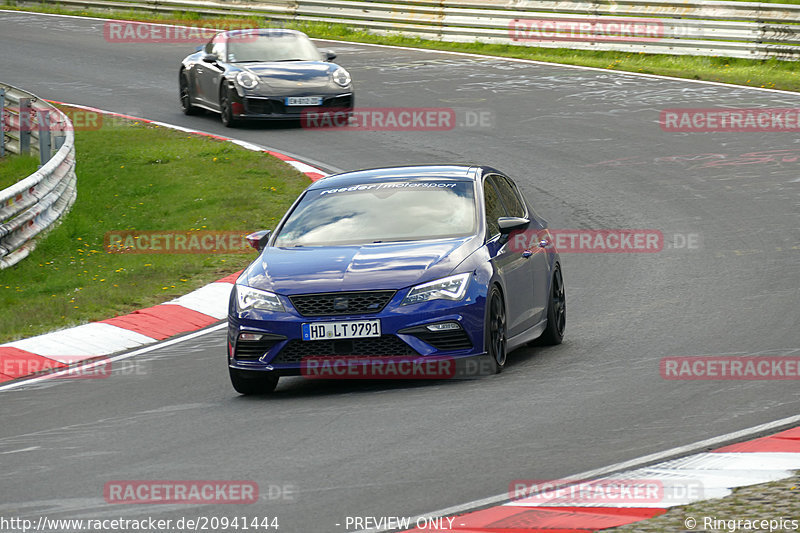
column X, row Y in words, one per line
column 510, row 199
column 493, row 208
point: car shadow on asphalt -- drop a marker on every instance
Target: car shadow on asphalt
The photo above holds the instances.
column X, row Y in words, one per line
column 210, row 119
column 295, row 387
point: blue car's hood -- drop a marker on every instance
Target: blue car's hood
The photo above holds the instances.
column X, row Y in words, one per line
column 361, row 267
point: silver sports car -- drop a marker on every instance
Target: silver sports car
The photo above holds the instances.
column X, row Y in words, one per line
column 263, row 74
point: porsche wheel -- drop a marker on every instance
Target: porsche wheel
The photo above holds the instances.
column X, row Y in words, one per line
column 185, row 96
column 226, row 108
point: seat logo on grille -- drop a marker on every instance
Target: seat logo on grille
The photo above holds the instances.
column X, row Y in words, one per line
column 340, row 303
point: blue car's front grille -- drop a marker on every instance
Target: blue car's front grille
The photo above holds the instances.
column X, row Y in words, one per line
column 387, row 345
column 446, row 340
column 255, row 349
column 341, row 303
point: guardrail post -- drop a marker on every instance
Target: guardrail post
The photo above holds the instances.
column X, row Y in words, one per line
column 58, row 141
column 44, row 136
column 25, row 125
column 2, row 122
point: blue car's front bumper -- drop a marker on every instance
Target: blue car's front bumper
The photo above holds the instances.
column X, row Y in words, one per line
column 281, row 349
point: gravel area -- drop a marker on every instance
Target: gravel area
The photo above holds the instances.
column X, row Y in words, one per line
column 753, row 507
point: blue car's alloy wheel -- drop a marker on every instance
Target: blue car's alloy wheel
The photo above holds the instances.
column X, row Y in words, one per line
column 496, row 345
column 556, row 311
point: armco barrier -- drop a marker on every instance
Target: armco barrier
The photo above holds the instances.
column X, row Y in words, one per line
column 750, row 30
column 35, row 203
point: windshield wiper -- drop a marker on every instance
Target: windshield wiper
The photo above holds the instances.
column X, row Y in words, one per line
column 282, row 60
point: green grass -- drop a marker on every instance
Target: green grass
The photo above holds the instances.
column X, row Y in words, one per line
column 137, row 176
column 773, row 73
column 15, row 167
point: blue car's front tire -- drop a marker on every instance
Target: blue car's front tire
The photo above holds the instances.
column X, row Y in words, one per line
column 249, row 382
column 556, row 311
column 496, row 330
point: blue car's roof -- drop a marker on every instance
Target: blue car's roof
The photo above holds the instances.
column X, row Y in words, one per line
column 457, row 172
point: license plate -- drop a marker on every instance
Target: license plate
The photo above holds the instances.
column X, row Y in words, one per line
column 303, row 100
column 357, row 329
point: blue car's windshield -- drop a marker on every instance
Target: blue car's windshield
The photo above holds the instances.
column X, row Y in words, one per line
column 381, row 212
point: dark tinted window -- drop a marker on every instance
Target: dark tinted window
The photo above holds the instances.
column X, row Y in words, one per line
column 493, row 207
column 273, row 47
column 513, row 204
column 381, row 212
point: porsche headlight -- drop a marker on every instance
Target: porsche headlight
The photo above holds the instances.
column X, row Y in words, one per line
column 341, row 77
column 449, row 288
column 249, row 298
column 247, row 80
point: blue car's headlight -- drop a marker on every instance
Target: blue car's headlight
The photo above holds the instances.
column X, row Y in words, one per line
column 247, row 80
column 341, row 77
column 449, row 288
column 249, row 298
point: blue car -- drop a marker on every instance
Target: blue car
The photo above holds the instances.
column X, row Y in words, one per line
column 421, row 262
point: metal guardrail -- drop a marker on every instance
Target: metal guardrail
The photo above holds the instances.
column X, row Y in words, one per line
column 35, row 203
column 751, row 30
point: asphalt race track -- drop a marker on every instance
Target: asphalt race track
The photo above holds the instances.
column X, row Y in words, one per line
column 587, row 148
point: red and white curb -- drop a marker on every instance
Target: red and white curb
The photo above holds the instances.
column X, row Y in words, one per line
column 690, row 479
column 312, row 172
column 191, row 312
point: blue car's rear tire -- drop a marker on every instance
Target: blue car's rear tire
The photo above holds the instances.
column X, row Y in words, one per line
column 250, row 382
column 496, row 330
column 556, row 311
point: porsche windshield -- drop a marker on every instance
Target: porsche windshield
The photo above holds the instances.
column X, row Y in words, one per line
column 286, row 47
column 381, row 212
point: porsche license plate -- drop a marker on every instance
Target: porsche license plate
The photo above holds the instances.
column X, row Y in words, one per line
column 303, row 100
column 357, row 329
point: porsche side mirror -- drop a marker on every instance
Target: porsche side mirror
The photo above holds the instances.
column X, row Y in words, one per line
column 330, row 55
column 509, row 224
column 209, row 58
column 259, row 239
